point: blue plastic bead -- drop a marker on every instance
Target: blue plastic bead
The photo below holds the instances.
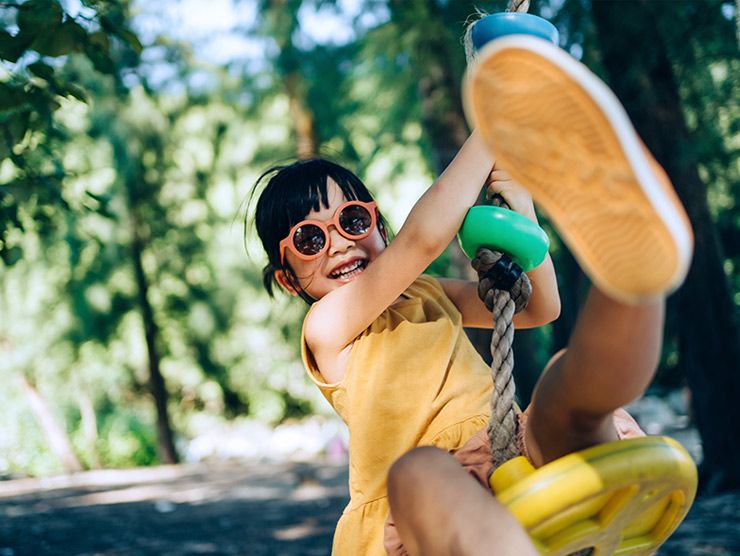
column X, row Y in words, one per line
column 499, row 25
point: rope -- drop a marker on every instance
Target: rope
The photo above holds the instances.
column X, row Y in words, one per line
column 518, row 6
column 505, row 290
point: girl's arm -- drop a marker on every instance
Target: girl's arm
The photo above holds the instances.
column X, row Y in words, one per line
column 339, row 317
column 543, row 307
column 544, row 304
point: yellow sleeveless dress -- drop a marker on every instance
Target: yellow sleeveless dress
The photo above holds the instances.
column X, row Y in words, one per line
column 413, row 379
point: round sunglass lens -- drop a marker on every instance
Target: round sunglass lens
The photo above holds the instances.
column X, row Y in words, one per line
column 309, row 239
column 355, row 220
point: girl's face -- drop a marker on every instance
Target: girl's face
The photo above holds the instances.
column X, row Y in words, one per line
column 343, row 261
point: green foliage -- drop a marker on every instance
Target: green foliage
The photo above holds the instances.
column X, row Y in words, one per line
column 105, row 162
column 32, row 45
column 125, row 440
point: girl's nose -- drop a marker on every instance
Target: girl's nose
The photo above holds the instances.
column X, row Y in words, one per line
column 337, row 242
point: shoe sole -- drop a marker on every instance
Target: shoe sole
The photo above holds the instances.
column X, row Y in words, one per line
column 560, row 132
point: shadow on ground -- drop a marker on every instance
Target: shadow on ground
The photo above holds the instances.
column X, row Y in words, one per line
column 220, row 508
column 233, row 508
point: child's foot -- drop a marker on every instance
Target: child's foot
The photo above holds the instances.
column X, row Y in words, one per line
column 559, row 131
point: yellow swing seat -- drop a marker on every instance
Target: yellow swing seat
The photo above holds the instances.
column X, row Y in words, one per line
column 623, row 497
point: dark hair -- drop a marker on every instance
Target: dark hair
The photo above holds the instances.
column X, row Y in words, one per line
column 291, row 192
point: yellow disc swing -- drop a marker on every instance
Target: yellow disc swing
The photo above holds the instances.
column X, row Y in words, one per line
column 624, row 497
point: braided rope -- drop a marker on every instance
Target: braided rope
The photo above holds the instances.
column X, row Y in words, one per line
column 503, row 424
column 504, row 301
column 518, row 6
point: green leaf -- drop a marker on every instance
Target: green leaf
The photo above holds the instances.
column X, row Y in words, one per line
column 76, row 91
column 100, row 39
column 12, row 255
column 131, row 38
column 14, row 129
column 10, row 96
column 99, row 58
column 112, row 21
column 40, row 16
column 42, row 70
column 12, row 47
column 5, row 149
column 67, row 38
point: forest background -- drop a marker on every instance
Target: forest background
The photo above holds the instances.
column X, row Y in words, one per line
column 132, row 313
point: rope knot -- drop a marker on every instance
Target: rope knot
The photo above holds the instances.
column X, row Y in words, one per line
column 498, row 272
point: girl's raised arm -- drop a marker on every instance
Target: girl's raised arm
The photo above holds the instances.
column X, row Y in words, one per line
column 340, row 316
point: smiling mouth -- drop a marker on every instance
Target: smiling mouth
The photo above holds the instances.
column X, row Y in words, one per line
column 349, row 270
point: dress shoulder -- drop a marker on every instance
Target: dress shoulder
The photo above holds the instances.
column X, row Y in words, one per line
column 425, row 286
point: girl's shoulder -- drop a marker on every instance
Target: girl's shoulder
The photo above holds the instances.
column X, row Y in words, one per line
column 433, row 295
column 425, row 286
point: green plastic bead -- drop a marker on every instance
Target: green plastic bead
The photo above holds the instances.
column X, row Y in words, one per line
column 504, row 230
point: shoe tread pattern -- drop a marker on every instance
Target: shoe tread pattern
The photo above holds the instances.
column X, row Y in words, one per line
column 563, row 148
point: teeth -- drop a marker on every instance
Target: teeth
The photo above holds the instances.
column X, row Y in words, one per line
column 346, row 270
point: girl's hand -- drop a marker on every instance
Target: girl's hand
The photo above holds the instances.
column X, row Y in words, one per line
column 499, row 182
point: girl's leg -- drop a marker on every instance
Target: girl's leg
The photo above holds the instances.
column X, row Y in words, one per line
column 611, row 359
column 440, row 509
column 560, row 132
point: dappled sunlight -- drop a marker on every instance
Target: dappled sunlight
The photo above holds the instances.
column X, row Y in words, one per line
column 315, row 491
column 169, row 486
column 163, row 498
column 306, row 528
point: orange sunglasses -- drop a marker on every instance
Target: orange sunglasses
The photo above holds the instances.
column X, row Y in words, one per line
column 308, row 239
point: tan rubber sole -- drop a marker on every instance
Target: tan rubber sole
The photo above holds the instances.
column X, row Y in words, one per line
column 563, row 135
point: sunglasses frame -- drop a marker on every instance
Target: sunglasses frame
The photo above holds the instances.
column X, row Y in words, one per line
column 288, row 243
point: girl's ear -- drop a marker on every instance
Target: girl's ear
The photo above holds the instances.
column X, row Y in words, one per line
column 383, row 232
column 284, row 282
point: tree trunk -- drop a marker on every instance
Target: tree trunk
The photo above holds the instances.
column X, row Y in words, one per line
column 89, row 424
column 165, row 443
column 306, row 141
column 708, row 334
column 55, row 434
column 284, row 18
column 439, row 87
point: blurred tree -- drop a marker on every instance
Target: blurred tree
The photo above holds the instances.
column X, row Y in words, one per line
column 429, row 33
column 282, row 26
column 130, row 144
column 36, row 38
column 56, row 436
column 37, row 35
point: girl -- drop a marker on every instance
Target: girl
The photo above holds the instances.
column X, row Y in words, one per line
column 385, row 343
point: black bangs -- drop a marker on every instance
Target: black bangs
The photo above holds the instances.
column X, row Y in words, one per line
column 295, row 190
column 308, row 190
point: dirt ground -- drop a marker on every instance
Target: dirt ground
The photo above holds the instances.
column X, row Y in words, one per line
column 233, row 507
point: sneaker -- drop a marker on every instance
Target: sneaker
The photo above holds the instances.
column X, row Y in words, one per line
column 561, row 133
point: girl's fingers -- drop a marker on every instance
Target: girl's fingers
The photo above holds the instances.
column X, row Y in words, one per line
column 499, row 175
column 497, row 185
